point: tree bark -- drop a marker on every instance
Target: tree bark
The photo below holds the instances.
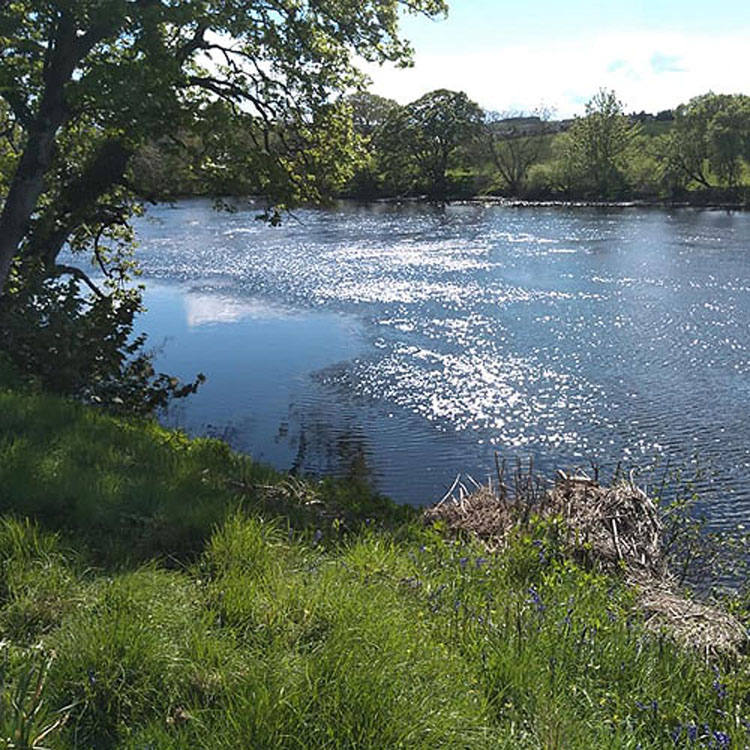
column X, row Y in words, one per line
column 67, row 49
column 25, row 190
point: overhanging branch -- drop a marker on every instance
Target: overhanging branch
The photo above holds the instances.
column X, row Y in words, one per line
column 64, row 270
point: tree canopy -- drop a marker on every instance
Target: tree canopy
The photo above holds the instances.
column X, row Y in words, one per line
column 711, row 132
column 86, row 82
column 421, row 138
column 512, row 148
column 600, row 144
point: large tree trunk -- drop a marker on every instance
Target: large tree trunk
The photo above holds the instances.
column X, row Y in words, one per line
column 66, row 50
column 24, row 193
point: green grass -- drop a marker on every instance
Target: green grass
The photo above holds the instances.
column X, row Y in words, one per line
column 162, row 603
column 133, row 490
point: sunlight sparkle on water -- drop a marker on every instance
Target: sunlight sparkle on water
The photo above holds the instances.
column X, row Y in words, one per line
column 563, row 334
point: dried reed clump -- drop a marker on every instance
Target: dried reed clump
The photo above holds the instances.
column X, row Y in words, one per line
column 292, row 491
column 698, row 625
column 294, row 496
column 616, row 528
column 478, row 513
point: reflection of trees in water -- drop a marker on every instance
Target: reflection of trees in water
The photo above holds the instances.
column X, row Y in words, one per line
column 313, row 439
column 229, row 432
column 326, row 444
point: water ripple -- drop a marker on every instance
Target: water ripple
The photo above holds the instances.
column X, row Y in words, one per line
column 559, row 333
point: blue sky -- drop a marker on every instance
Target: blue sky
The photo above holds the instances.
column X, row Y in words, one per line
column 513, row 56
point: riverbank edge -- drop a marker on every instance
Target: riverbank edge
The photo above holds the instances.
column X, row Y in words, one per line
column 495, row 200
column 121, row 494
column 656, row 204
column 500, row 201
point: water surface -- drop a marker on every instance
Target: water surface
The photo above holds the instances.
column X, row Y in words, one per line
column 411, row 342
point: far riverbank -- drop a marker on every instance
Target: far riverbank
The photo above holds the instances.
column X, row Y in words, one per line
column 497, row 200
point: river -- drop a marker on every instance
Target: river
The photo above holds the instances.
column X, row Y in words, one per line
column 407, row 343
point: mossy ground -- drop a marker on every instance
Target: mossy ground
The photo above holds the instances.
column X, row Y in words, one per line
column 162, row 602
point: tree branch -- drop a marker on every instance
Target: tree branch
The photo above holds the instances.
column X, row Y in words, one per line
column 63, row 270
column 19, row 108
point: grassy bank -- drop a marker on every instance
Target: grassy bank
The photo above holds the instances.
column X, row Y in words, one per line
column 160, row 592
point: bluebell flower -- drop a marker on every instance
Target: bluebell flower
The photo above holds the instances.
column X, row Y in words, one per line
column 721, row 740
column 542, row 551
column 721, row 689
column 536, row 600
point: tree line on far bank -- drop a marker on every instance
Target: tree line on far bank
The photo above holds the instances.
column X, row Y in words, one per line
column 443, row 145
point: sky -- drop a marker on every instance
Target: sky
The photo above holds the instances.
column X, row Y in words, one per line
column 519, row 56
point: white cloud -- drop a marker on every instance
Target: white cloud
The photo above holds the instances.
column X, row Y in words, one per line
column 203, row 309
column 648, row 70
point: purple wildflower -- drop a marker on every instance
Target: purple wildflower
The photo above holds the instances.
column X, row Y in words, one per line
column 721, row 690
column 536, row 600
column 721, row 740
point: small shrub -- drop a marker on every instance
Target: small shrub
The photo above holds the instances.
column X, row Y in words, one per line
column 82, row 345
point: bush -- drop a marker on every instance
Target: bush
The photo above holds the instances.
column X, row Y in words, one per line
column 82, row 345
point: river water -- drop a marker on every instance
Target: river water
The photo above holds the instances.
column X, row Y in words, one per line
column 407, row 343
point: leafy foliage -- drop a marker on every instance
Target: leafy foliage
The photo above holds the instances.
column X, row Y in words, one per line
column 711, row 131
column 698, row 152
column 418, row 142
column 370, row 113
column 600, row 144
column 512, row 150
column 83, row 345
column 87, row 84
